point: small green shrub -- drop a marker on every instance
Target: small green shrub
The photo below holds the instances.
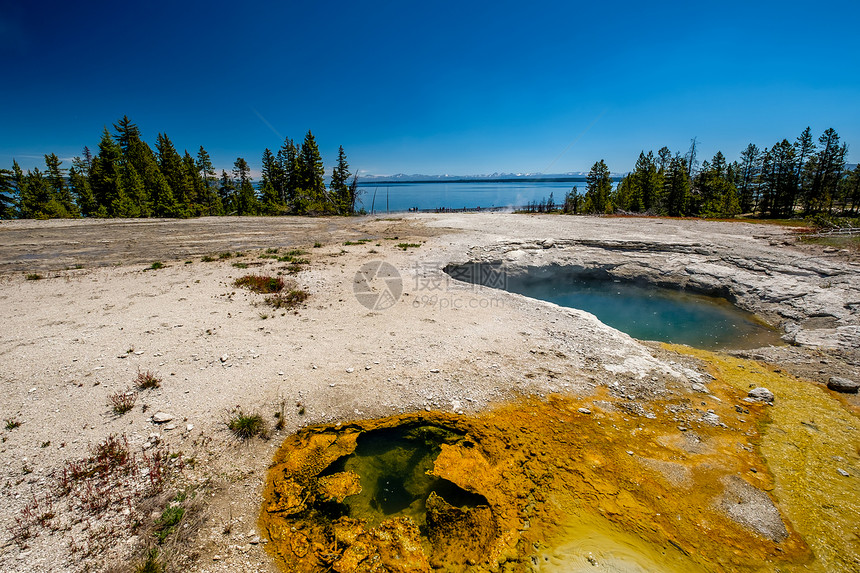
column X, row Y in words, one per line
column 289, row 299
column 226, row 255
column 260, row 284
column 240, row 265
column 147, row 380
column 34, row 277
column 170, row 518
column 151, row 564
column 122, row 402
column 246, row 426
column 317, row 245
column 293, row 259
column 156, row 265
column 405, row 246
column 12, row 423
column 207, row 259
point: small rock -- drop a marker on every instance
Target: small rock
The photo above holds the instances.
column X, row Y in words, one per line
column 216, row 558
column 584, row 411
column 254, row 540
column 169, row 427
column 700, row 388
column 189, row 427
column 843, row 385
column 367, row 367
column 434, row 371
column 280, row 373
column 843, row 473
column 761, row 394
column 350, row 370
column 711, row 418
column 225, row 357
column 161, row 417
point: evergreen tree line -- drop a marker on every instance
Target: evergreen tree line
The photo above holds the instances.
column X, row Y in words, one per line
column 785, row 180
column 126, row 178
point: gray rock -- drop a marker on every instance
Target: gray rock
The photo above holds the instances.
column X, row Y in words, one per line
column 761, row 394
column 843, row 385
column 225, row 357
column 161, row 417
column 843, row 473
column 584, row 411
column 752, row 508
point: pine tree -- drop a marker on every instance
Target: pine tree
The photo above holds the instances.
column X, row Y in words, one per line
column 164, row 203
column 783, row 184
column 227, row 193
column 717, row 195
column 79, row 184
column 36, row 197
column 206, row 174
column 311, row 175
column 804, row 148
column 170, row 165
column 104, row 175
column 126, row 133
column 7, row 195
column 664, row 160
column 339, row 189
column 246, row 199
column 17, row 187
column 132, row 200
column 827, row 167
column 195, row 190
column 59, row 189
column 288, row 171
column 852, row 190
column 598, row 189
column 748, row 173
column 647, row 183
column 628, row 196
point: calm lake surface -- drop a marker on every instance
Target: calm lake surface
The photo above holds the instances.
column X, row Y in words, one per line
column 391, row 197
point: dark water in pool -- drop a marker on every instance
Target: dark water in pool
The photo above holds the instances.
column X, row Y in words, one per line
column 647, row 312
column 394, row 466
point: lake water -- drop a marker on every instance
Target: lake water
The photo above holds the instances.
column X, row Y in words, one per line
column 391, row 197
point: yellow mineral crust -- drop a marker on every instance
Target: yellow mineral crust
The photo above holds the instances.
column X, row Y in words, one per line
column 677, row 484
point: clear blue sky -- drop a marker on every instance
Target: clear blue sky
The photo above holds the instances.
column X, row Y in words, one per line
column 430, row 87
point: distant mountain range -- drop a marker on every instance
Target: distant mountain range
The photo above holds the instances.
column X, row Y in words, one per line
column 493, row 178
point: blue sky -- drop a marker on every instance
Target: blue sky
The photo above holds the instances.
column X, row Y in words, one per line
column 436, row 87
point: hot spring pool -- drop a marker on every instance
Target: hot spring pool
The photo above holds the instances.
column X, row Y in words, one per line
column 644, row 311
